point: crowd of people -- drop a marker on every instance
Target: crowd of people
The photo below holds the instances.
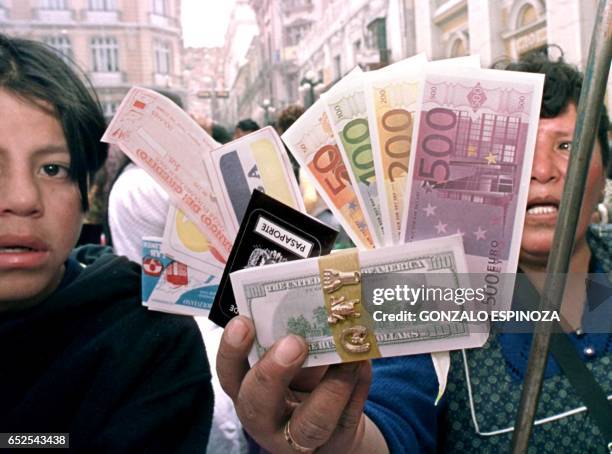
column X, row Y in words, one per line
column 82, row 356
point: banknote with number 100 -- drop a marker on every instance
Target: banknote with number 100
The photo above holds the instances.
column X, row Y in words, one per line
column 312, row 143
column 346, row 109
column 470, row 168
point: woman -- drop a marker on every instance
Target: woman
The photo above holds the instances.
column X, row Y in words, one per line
column 323, row 409
column 81, row 355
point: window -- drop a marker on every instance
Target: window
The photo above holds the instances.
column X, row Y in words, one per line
column 105, row 54
column 109, row 108
column 159, row 7
column 102, row 5
column 162, row 57
column 337, row 67
column 53, row 4
column 62, row 45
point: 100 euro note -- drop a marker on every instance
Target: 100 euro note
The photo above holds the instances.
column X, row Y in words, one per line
column 346, row 108
column 470, row 169
column 288, row 298
column 312, row 143
column 255, row 161
column 170, row 146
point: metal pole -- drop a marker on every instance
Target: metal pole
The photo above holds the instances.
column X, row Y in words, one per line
column 591, row 100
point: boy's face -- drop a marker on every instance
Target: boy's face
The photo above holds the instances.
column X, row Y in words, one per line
column 40, row 206
column 546, row 188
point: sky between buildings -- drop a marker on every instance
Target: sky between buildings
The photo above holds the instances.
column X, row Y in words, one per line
column 205, row 21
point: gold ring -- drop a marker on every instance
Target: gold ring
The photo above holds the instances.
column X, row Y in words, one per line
column 291, row 442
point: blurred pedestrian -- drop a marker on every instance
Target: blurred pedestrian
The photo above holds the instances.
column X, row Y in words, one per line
column 244, row 127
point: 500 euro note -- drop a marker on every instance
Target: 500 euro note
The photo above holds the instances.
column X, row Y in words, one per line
column 289, row 298
column 470, row 168
column 312, row 143
column 346, row 109
column 392, row 95
column 169, row 145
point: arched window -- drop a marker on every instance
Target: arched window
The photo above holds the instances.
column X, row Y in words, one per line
column 527, row 15
column 458, row 48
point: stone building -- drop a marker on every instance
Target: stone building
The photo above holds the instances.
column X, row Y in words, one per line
column 117, row 43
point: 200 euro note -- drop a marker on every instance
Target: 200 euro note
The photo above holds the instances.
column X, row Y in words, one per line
column 470, row 168
column 312, row 143
column 392, row 95
column 170, row 146
column 291, row 298
column 346, row 109
column 255, row 161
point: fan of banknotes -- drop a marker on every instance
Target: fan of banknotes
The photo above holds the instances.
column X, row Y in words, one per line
column 424, row 164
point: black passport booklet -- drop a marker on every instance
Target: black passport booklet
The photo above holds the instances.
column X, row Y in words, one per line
column 270, row 232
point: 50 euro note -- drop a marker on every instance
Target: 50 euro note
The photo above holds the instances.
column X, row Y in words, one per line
column 170, row 146
column 312, row 143
column 470, row 168
column 255, row 161
column 346, row 108
column 290, row 298
column 392, row 95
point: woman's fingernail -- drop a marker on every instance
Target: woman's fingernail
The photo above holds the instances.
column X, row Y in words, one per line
column 288, row 350
column 236, row 331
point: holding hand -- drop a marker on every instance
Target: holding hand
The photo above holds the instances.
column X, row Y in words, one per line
column 287, row 409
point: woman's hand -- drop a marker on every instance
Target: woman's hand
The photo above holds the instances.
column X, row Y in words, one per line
column 287, row 409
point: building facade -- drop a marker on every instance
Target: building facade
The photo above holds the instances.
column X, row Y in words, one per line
column 203, row 76
column 117, row 43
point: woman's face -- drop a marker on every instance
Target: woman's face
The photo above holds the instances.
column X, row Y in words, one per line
column 40, row 206
column 547, row 179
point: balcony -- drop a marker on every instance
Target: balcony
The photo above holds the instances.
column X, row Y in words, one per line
column 101, row 17
column 107, row 79
column 166, row 80
column 53, row 15
column 157, row 20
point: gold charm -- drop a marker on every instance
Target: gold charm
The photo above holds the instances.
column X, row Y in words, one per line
column 334, row 279
column 341, row 309
column 354, row 339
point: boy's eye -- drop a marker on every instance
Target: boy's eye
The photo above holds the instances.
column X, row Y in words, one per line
column 55, row 170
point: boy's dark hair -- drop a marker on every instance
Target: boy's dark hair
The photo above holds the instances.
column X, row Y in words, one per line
column 247, row 125
column 562, row 86
column 34, row 72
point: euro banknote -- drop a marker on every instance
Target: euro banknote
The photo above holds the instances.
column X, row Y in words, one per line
column 470, row 168
column 392, row 95
column 346, row 108
column 169, row 145
column 291, row 298
column 312, row 143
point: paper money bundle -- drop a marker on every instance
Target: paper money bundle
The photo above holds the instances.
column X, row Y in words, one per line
column 327, row 300
column 422, row 150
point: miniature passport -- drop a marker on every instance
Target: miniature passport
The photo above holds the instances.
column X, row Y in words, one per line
column 271, row 232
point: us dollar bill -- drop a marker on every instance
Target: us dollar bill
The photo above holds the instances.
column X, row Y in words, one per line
column 288, row 298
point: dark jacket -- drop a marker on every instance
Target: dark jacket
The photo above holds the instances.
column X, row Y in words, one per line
column 92, row 362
